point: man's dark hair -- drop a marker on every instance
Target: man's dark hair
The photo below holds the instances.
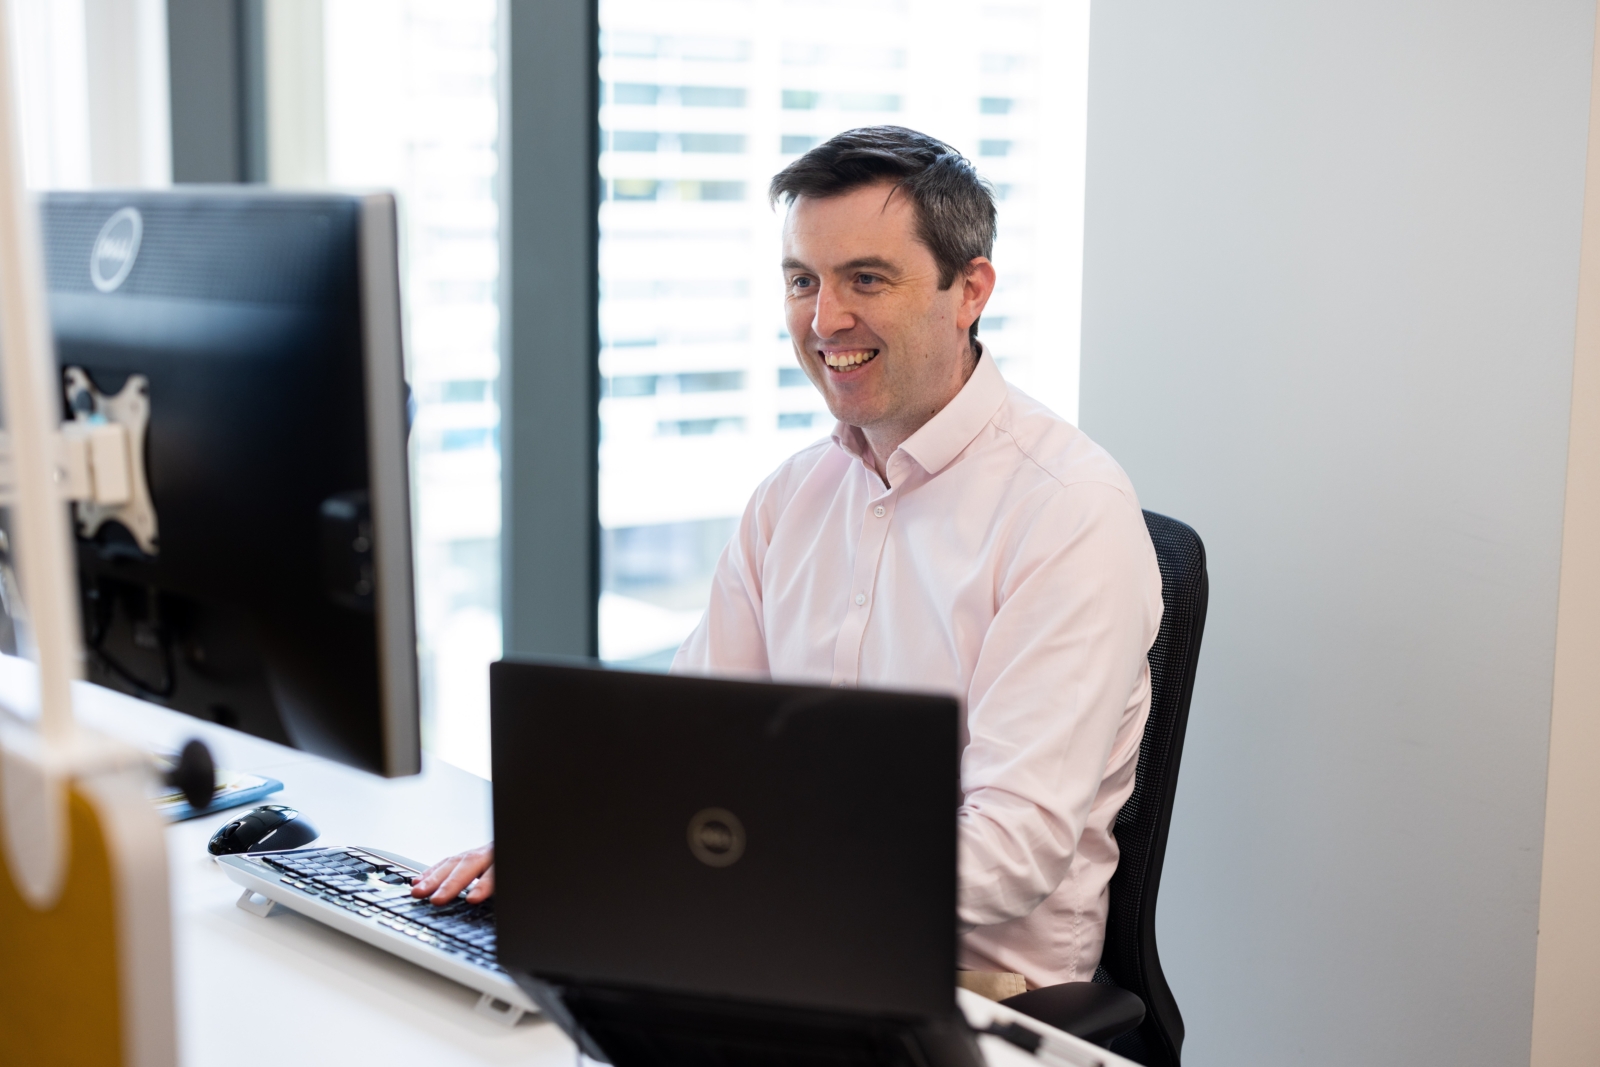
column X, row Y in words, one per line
column 955, row 209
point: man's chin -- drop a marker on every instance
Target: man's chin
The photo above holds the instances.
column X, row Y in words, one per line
column 862, row 418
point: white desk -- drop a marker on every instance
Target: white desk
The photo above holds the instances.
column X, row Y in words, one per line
column 247, row 985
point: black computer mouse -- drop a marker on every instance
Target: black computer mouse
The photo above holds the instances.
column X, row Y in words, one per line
column 269, row 828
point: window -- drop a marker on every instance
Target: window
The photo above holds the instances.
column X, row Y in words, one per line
column 711, row 142
column 469, row 391
column 646, row 95
column 662, row 384
column 808, row 100
column 656, row 46
column 634, row 140
column 805, row 54
column 701, row 396
column 700, row 427
column 642, row 95
column 709, row 382
column 651, row 141
column 710, row 96
column 649, row 189
column 411, row 106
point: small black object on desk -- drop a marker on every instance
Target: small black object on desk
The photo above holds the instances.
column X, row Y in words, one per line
column 194, row 775
column 269, row 828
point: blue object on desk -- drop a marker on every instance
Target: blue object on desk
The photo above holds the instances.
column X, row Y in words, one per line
column 248, row 790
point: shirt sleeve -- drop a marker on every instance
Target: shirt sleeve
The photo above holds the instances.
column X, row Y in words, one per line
column 1056, row 680
column 730, row 639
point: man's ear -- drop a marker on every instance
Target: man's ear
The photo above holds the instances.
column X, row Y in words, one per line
column 977, row 286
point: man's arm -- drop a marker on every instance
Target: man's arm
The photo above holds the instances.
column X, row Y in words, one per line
column 1080, row 601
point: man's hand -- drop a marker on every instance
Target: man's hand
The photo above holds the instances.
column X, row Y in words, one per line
column 447, row 878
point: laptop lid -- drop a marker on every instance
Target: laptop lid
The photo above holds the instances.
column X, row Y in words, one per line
column 739, row 842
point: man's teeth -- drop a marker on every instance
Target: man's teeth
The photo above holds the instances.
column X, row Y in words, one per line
column 851, row 358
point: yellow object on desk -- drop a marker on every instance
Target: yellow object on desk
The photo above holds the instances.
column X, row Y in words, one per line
column 87, row 974
column 58, row 989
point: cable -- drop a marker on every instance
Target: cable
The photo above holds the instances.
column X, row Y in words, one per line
column 99, row 610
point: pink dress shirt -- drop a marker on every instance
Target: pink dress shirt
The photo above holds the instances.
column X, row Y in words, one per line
column 1006, row 562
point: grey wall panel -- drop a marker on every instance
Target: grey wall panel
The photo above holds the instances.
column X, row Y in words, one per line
column 550, row 342
column 217, row 76
column 1330, row 283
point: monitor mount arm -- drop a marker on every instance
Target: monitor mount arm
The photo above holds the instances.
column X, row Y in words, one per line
column 100, row 458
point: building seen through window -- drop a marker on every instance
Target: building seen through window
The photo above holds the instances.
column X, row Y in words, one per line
column 411, row 105
column 702, row 102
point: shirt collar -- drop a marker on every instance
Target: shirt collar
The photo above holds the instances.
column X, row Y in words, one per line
column 943, row 437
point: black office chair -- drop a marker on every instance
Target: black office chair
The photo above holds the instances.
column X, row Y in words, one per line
column 1111, row 1010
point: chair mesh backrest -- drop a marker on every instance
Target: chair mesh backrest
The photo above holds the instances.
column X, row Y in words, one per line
column 1129, row 959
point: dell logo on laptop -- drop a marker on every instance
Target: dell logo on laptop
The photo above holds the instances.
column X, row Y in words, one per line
column 716, row 837
column 115, row 249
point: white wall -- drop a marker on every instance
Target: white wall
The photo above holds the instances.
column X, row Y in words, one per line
column 1566, row 1024
column 1330, row 290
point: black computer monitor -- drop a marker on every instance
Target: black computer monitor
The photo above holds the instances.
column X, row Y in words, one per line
column 252, row 339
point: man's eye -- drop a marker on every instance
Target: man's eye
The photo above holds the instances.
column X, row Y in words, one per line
column 866, row 279
column 800, row 283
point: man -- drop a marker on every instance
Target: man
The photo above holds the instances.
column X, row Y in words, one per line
column 952, row 534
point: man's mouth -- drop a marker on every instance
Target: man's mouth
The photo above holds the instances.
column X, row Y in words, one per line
column 848, row 358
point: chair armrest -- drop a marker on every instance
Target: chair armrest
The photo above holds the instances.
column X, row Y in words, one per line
column 1097, row 1013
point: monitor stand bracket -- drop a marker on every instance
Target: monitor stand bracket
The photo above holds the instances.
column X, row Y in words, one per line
column 105, row 441
column 99, row 459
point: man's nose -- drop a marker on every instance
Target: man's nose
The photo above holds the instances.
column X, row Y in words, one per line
column 832, row 315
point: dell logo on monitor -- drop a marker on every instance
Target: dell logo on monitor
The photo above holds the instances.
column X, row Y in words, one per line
column 716, row 837
column 115, row 249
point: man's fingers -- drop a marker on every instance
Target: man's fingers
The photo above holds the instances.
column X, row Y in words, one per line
column 484, row 889
column 453, row 884
column 428, row 880
column 445, row 880
column 468, row 866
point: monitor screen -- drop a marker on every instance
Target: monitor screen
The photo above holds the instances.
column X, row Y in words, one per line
column 260, row 575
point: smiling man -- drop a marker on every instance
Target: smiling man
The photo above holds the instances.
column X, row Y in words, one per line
column 951, row 534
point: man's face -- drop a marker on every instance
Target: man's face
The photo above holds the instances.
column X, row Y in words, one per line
column 885, row 345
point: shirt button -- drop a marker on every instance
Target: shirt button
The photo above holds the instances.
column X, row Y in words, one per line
column 861, row 598
column 878, row 511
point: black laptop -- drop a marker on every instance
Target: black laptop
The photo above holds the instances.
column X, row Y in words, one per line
column 695, row 871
